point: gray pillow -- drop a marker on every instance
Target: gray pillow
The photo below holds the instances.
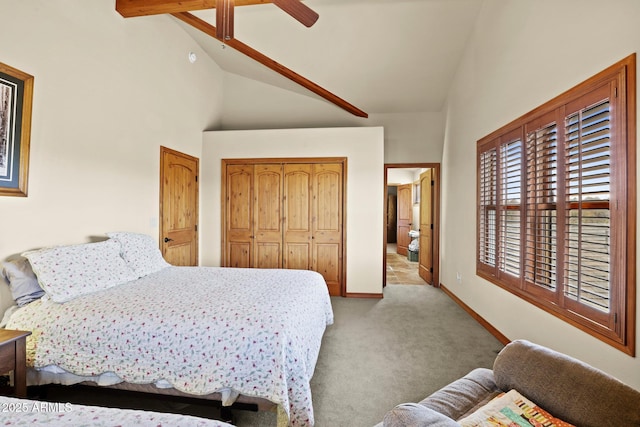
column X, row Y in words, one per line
column 22, row 281
column 416, row 415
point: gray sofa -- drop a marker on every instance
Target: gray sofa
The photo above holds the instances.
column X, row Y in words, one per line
column 566, row 387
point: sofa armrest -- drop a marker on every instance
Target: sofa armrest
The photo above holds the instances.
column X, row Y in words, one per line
column 416, row 415
column 464, row 395
column 566, row 387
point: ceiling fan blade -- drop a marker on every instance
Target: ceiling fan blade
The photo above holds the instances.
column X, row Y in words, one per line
column 301, row 12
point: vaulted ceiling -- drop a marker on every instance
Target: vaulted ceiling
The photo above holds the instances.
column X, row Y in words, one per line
column 382, row 56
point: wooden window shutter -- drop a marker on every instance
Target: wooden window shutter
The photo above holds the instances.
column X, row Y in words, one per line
column 557, row 206
column 541, row 215
column 510, row 202
column 587, row 276
column 487, row 180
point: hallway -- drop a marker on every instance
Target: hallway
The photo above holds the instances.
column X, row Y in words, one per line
column 401, row 271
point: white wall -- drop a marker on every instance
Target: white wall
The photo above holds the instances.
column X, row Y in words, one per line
column 363, row 148
column 408, row 137
column 522, row 54
column 412, row 137
column 108, row 92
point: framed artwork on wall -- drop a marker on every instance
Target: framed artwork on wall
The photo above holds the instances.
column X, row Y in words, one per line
column 16, row 98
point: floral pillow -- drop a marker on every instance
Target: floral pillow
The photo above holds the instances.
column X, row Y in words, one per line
column 140, row 251
column 67, row 272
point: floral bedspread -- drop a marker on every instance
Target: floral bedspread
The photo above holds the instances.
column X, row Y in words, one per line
column 201, row 329
column 23, row 412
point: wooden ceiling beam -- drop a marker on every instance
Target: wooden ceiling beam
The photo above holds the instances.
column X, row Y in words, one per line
column 131, row 8
column 236, row 44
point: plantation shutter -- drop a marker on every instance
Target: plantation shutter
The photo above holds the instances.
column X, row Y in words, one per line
column 588, row 195
column 557, row 206
column 487, row 181
column 510, row 189
column 541, row 215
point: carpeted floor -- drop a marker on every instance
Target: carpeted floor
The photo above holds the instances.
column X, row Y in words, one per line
column 377, row 354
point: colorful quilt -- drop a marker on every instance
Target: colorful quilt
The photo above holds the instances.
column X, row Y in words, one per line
column 511, row 409
column 201, row 329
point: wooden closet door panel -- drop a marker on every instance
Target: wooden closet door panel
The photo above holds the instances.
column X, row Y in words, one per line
column 327, row 224
column 239, row 216
column 268, row 216
column 297, row 216
column 239, row 254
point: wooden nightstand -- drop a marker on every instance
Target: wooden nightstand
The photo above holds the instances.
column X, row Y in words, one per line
column 13, row 357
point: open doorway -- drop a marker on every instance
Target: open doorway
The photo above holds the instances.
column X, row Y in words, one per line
column 412, row 223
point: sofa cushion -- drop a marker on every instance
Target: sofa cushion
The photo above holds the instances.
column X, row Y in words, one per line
column 416, row 415
column 566, row 387
column 464, row 395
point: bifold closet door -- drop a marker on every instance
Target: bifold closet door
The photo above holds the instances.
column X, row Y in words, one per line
column 327, row 217
column 239, row 216
column 287, row 215
column 297, row 216
column 267, row 194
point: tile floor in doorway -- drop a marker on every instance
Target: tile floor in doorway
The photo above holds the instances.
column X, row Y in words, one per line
column 401, row 271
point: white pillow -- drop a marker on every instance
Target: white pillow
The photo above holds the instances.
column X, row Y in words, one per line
column 140, row 251
column 67, row 272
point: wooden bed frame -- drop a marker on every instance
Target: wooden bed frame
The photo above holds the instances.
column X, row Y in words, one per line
column 242, row 402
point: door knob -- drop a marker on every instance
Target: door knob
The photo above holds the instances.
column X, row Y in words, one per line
column 167, row 240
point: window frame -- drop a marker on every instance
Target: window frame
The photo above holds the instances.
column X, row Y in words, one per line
column 616, row 326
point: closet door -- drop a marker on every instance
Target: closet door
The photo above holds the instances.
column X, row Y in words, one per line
column 327, row 216
column 239, row 216
column 297, row 216
column 267, row 216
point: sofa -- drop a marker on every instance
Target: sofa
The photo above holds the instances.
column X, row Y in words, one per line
column 565, row 387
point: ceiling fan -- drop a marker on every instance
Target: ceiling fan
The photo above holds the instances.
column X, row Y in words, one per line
column 130, row 8
column 298, row 10
column 223, row 31
column 224, row 14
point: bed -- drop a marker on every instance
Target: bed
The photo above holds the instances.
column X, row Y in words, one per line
column 115, row 314
column 25, row 412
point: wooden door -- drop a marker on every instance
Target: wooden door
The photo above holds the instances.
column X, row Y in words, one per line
column 267, row 230
column 297, row 216
column 392, row 223
column 425, row 254
column 405, row 214
column 239, row 216
column 178, row 207
column 327, row 224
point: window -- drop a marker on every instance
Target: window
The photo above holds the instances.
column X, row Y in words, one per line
column 556, row 206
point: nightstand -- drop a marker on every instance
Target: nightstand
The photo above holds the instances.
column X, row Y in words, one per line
column 13, row 357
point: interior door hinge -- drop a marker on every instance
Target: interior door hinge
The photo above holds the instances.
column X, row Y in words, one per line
column 432, row 183
column 430, row 269
column 196, row 227
column 196, row 178
column 432, row 226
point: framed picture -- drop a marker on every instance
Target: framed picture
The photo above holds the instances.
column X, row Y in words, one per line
column 16, row 98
